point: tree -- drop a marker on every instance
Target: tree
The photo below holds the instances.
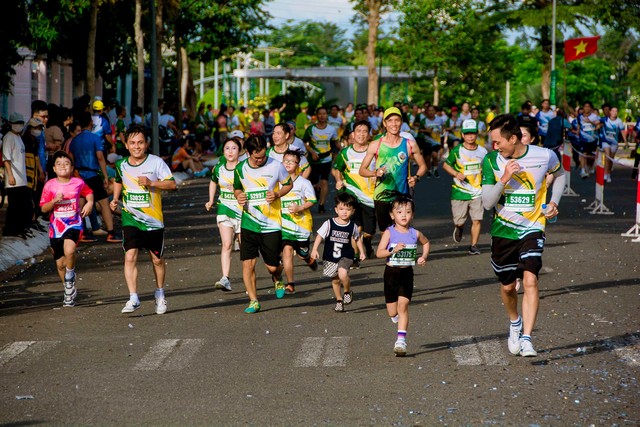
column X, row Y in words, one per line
column 13, row 32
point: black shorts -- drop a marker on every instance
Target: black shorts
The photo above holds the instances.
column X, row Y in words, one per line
column 96, row 184
column 268, row 245
column 510, row 258
column 57, row 243
column 383, row 214
column 365, row 217
column 151, row 240
column 320, row 171
column 300, row 246
column 398, row 282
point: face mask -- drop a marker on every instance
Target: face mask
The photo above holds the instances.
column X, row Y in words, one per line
column 17, row 128
column 36, row 132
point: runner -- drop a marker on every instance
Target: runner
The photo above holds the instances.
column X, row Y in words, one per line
column 399, row 245
column 392, row 155
column 297, row 223
column 258, row 183
column 61, row 195
column 464, row 164
column 610, row 134
column 543, row 117
column 281, row 136
column 429, row 137
column 513, row 184
column 140, row 179
column 320, row 139
column 346, row 171
column 228, row 212
column 588, row 124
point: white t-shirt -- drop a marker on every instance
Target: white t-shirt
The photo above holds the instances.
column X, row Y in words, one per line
column 165, row 119
column 13, row 150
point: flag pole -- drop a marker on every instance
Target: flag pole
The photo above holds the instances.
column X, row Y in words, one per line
column 552, row 94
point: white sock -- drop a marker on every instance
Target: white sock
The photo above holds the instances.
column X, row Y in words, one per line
column 160, row 293
column 70, row 273
column 133, row 296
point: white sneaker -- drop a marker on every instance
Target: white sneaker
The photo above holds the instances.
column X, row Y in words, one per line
column 130, row 307
column 395, row 319
column 583, row 173
column 223, row 284
column 161, row 306
column 236, row 246
column 400, row 348
column 514, row 339
column 527, row 349
column 607, row 178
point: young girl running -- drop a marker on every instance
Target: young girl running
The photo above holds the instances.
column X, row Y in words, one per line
column 399, row 244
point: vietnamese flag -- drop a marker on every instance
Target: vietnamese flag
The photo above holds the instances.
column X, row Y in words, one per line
column 580, row 47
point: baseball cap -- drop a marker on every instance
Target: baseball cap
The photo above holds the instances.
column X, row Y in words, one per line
column 469, row 126
column 391, row 111
column 236, row 133
column 292, row 124
column 98, row 105
column 34, row 122
column 304, row 104
column 113, row 157
column 454, row 108
column 16, row 118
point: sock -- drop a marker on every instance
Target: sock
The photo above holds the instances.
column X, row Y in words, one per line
column 133, row 296
column 526, row 338
column 402, row 336
column 160, row 293
column 517, row 323
column 70, row 273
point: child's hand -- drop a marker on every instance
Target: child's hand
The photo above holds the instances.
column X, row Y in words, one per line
column 86, row 209
column 363, row 256
column 208, row 205
column 398, row 247
column 59, row 197
column 113, row 205
column 314, row 255
column 421, row 260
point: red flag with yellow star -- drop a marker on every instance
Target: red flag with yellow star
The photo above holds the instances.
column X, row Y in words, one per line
column 579, row 48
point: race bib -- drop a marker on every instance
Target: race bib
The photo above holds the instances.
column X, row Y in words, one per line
column 257, row 196
column 285, row 203
column 588, row 127
column 472, row 168
column 137, row 199
column 322, row 145
column 227, row 197
column 520, row 200
column 354, row 165
column 611, row 136
column 65, row 209
column 405, row 257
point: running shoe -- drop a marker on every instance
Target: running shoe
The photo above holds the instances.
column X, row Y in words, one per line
column 527, row 350
column 514, row 339
column 223, row 284
column 355, row 265
column 130, row 307
column 395, row 319
column 88, row 238
column 436, row 173
column 457, row 233
column 607, row 179
column 99, row 232
column 254, row 307
column 161, row 306
column 236, row 246
column 279, row 289
column 290, row 289
column 347, row 297
column 114, row 238
column 473, row 250
column 313, row 264
column 70, row 294
column 68, row 302
column 583, row 174
column 428, row 174
column 400, row 348
column 339, row 308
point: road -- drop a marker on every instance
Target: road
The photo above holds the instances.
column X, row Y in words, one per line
column 205, row 362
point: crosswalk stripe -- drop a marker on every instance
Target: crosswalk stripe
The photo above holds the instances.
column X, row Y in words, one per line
column 336, row 351
column 156, row 355
column 492, row 352
column 182, row 355
column 310, row 352
column 16, row 355
column 466, row 351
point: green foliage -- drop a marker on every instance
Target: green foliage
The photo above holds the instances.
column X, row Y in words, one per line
column 12, row 33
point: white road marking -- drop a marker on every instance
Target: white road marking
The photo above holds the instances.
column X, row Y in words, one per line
column 492, row 351
column 466, row 351
column 310, row 352
column 28, row 352
column 156, row 355
column 182, row 355
column 627, row 350
column 336, row 351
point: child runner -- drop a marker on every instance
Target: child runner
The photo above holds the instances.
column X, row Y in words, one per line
column 339, row 234
column 297, row 222
column 62, row 196
column 140, row 177
column 229, row 211
column 399, row 244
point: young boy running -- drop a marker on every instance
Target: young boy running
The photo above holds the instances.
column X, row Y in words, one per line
column 399, row 244
column 140, row 179
column 297, row 222
column 340, row 234
column 62, row 196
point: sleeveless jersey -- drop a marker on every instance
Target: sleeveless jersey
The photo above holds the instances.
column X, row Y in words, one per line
column 407, row 256
column 396, row 160
column 519, row 210
column 348, row 162
column 337, row 240
column 469, row 162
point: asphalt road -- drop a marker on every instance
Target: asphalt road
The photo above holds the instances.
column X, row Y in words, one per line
column 205, row 362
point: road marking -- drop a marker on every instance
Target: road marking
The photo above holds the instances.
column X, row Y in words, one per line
column 16, row 355
column 169, row 355
column 470, row 351
column 312, row 350
column 628, row 350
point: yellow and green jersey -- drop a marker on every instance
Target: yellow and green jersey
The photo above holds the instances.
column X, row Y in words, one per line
column 348, row 162
column 258, row 215
column 320, row 141
column 519, row 209
column 142, row 206
column 302, row 166
column 297, row 226
column 469, row 162
column 227, row 204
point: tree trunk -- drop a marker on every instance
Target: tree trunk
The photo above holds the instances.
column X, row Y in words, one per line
column 374, row 20
column 159, row 38
column 137, row 27
column 91, row 48
column 545, row 41
column 436, row 87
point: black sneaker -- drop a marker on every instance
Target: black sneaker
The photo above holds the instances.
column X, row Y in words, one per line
column 436, row 173
column 457, row 234
column 428, row 174
column 313, row 265
column 355, row 265
column 473, row 250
